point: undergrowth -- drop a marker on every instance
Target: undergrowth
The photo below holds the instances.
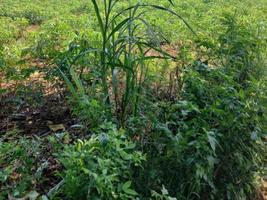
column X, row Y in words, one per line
column 161, row 124
column 207, row 143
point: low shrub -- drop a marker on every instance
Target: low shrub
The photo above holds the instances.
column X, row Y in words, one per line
column 33, row 17
column 101, row 167
column 207, row 145
column 18, row 163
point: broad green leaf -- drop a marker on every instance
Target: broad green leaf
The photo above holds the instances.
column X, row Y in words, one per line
column 126, row 188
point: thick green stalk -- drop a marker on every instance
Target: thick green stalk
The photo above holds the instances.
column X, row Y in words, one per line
column 104, row 28
column 129, row 74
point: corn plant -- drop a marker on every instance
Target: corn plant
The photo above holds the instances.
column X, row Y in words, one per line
column 121, row 59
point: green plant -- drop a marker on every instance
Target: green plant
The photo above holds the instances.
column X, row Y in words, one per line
column 2, row 62
column 209, row 143
column 101, row 167
column 33, row 17
column 163, row 196
column 241, row 49
column 18, row 165
column 195, row 106
column 122, row 55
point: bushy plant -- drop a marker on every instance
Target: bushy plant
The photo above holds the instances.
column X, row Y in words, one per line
column 209, row 144
column 200, row 119
column 33, row 17
column 234, row 118
column 18, row 162
column 101, row 167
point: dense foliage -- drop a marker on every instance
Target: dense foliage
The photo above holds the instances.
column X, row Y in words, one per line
column 100, row 168
column 170, row 96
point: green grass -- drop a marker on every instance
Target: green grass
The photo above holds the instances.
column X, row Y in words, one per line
column 65, row 18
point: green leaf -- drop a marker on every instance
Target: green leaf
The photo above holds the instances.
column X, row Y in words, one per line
column 212, row 140
column 175, row 14
column 171, row 2
column 126, row 185
column 100, row 22
column 118, row 27
column 69, row 84
column 124, row 155
column 77, row 81
column 126, row 188
column 164, row 191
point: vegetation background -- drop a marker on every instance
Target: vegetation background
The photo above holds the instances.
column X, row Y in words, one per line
column 108, row 99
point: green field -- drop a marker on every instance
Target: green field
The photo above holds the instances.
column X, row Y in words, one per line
column 133, row 99
column 54, row 24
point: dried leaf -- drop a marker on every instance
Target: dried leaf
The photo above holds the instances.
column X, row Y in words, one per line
column 57, row 127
